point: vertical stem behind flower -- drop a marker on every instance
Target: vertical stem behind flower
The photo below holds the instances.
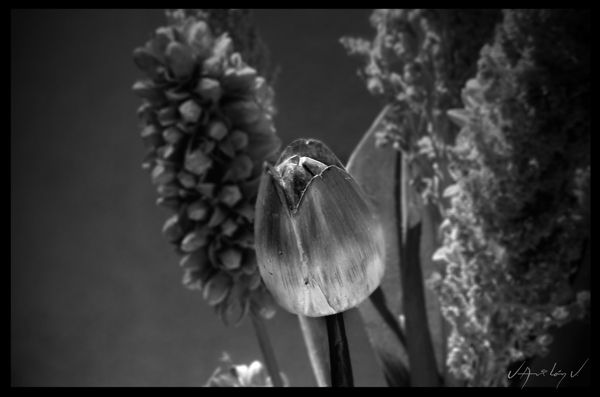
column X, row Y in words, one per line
column 266, row 348
column 314, row 331
column 423, row 367
column 339, row 353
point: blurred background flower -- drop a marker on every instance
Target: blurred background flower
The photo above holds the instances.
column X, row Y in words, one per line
column 207, row 120
column 253, row 375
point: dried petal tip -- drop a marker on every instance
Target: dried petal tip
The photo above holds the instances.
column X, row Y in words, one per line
column 311, row 148
column 319, row 245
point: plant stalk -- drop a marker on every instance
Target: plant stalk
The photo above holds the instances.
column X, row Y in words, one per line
column 314, row 331
column 264, row 342
column 423, row 366
column 339, row 353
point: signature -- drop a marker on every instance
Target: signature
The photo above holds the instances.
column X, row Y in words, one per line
column 554, row 372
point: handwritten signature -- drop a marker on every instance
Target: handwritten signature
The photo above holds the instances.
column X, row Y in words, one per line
column 554, row 372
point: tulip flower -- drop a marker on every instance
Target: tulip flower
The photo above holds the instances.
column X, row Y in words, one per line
column 319, row 245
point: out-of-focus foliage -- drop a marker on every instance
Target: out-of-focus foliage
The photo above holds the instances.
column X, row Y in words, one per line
column 517, row 228
column 207, row 122
column 417, row 63
column 253, row 375
column 375, row 170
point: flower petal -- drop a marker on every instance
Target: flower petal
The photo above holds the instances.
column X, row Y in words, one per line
column 327, row 255
column 342, row 241
column 312, row 148
column 276, row 250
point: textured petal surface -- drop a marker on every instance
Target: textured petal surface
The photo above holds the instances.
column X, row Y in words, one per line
column 312, row 148
column 342, row 244
column 327, row 256
column 276, row 250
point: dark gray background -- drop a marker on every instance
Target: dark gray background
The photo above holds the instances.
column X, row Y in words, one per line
column 95, row 289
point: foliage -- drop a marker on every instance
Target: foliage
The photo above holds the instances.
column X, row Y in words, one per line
column 416, row 63
column 516, row 229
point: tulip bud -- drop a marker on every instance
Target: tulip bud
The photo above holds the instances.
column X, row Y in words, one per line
column 319, row 245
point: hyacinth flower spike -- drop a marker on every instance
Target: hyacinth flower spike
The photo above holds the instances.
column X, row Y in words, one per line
column 319, row 245
column 207, row 117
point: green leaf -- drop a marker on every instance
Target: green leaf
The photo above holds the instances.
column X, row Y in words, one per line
column 377, row 171
column 373, row 169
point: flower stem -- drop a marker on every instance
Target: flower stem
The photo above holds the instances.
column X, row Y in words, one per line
column 339, row 353
column 423, row 367
column 266, row 348
column 314, row 331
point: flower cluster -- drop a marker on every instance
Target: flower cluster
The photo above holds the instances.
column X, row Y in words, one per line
column 207, row 123
column 253, row 375
column 417, row 62
column 516, row 231
column 240, row 26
